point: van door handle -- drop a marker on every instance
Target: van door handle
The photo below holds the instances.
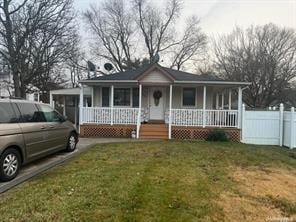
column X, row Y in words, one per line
column 51, row 127
column 42, row 127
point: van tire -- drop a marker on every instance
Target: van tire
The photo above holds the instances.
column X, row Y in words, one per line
column 72, row 142
column 9, row 156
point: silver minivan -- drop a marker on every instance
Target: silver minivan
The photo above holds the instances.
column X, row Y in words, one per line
column 29, row 131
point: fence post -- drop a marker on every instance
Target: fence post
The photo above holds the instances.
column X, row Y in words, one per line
column 281, row 124
column 243, row 121
column 292, row 129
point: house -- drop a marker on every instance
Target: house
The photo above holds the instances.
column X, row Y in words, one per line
column 159, row 102
column 6, row 84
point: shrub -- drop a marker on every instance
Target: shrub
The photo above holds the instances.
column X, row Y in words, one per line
column 217, row 135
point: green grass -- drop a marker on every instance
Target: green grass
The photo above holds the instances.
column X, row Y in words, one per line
column 141, row 181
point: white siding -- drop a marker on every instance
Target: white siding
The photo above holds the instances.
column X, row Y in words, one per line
column 97, row 96
column 155, row 76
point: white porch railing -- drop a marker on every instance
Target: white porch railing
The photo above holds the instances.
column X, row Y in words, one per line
column 180, row 117
column 107, row 115
column 213, row 118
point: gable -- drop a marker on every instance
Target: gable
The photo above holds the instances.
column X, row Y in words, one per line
column 155, row 76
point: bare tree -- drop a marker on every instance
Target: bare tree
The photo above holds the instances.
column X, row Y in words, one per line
column 263, row 55
column 192, row 45
column 127, row 35
column 112, row 26
column 35, row 37
column 157, row 25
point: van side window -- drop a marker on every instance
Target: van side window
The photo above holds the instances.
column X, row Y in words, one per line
column 30, row 113
column 49, row 114
column 7, row 114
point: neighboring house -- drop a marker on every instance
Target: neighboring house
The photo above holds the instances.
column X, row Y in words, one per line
column 159, row 102
column 6, row 84
column 5, row 81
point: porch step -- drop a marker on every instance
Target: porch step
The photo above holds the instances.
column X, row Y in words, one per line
column 154, row 131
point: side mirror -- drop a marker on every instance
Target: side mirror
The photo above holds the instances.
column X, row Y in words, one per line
column 63, row 119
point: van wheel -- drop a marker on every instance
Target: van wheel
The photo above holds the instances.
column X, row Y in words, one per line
column 10, row 164
column 72, row 141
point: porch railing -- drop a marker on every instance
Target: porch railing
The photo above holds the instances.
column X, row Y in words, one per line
column 180, row 117
column 107, row 115
column 213, row 118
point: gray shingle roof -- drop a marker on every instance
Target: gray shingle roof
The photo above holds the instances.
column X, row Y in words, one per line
column 175, row 74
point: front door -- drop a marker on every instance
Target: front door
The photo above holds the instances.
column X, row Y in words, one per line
column 157, row 100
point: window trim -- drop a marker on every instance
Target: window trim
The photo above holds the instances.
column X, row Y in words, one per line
column 116, row 87
column 182, row 97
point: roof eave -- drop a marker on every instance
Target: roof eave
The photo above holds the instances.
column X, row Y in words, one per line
column 215, row 82
column 107, row 81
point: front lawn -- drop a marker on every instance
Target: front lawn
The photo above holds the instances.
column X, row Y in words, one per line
column 161, row 181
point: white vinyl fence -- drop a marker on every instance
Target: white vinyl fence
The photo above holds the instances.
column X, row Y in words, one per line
column 289, row 129
column 269, row 127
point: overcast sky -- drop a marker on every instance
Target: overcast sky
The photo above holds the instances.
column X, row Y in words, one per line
column 221, row 16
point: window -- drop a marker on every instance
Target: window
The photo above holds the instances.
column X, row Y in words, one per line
column 105, row 96
column 36, row 97
column 189, row 95
column 49, row 114
column 30, row 113
column 7, row 114
column 135, row 97
column 122, row 97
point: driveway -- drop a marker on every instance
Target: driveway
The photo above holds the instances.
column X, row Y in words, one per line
column 43, row 164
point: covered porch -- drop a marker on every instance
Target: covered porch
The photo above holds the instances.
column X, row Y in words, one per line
column 157, row 102
column 177, row 106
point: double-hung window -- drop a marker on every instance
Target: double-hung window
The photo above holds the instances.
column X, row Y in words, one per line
column 189, row 96
column 122, row 96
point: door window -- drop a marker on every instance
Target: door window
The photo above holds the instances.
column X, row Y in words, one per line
column 30, row 113
column 50, row 114
column 7, row 114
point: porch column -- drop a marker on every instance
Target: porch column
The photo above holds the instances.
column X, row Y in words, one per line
column 139, row 112
column 217, row 100
column 222, row 101
column 229, row 99
column 239, row 107
column 81, row 105
column 112, row 103
column 204, row 106
column 92, row 96
column 51, row 100
column 170, row 112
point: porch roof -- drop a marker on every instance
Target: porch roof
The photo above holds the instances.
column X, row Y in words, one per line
column 176, row 76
